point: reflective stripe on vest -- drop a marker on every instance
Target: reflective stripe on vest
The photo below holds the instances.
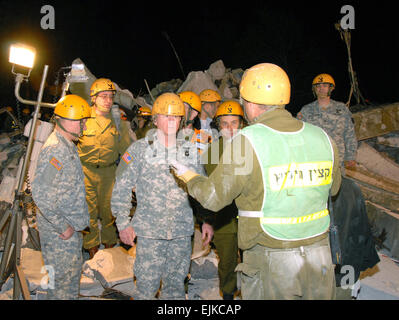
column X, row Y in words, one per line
column 289, row 220
column 297, row 175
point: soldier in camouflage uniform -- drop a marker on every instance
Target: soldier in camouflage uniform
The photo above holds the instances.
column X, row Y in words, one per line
column 333, row 117
column 59, row 192
column 163, row 220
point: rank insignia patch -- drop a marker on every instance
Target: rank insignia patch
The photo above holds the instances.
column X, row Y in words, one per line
column 58, row 165
column 127, row 158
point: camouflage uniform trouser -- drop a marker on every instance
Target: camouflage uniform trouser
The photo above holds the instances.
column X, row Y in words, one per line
column 63, row 260
column 288, row 274
column 227, row 249
column 99, row 183
column 158, row 259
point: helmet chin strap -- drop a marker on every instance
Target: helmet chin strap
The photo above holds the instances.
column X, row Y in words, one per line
column 188, row 121
column 71, row 133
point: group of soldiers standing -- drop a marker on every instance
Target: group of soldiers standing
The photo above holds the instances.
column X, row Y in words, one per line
column 197, row 158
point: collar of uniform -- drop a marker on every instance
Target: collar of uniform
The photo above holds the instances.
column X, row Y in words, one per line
column 269, row 115
column 331, row 106
column 102, row 121
column 159, row 146
column 64, row 140
column 279, row 119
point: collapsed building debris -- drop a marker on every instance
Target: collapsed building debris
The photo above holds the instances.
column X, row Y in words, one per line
column 377, row 172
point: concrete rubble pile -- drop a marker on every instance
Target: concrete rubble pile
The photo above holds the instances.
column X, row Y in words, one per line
column 377, row 174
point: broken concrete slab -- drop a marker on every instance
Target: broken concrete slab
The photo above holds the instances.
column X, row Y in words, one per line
column 377, row 121
column 384, row 198
column 384, row 225
column 197, row 81
column 205, row 267
column 364, row 175
column 377, row 162
column 380, row 282
column 390, row 141
column 166, row 86
column 34, row 269
column 216, row 70
column 110, row 267
column 204, row 289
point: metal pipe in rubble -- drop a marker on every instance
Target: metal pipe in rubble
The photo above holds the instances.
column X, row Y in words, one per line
column 18, row 80
column 32, row 130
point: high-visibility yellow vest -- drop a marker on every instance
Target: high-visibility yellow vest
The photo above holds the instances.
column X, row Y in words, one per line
column 297, row 176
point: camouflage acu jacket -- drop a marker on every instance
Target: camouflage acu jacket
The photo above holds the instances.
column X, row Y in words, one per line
column 163, row 210
column 336, row 120
column 58, row 187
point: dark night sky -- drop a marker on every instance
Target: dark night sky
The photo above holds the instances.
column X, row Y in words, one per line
column 123, row 41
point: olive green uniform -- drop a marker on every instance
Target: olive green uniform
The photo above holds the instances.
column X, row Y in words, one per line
column 225, row 227
column 99, row 150
column 223, row 186
column 142, row 132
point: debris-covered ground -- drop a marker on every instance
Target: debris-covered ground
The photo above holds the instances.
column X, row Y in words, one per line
column 109, row 275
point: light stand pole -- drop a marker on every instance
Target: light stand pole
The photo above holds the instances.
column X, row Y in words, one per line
column 10, row 261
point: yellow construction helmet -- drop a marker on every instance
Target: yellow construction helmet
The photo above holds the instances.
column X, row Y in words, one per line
column 168, row 104
column 266, row 84
column 72, row 107
column 323, row 78
column 229, row 108
column 192, row 99
column 209, row 95
column 100, row 85
column 144, row 111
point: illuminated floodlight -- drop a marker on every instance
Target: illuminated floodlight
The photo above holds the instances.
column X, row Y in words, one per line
column 22, row 55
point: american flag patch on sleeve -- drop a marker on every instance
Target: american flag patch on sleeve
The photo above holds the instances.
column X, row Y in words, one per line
column 58, row 165
column 127, row 158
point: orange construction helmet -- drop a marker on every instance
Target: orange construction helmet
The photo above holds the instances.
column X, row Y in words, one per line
column 266, row 84
column 209, row 95
column 72, row 107
column 323, row 78
column 168, row 104
column 100, row 85
column 192, row 99
column 229, row 108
